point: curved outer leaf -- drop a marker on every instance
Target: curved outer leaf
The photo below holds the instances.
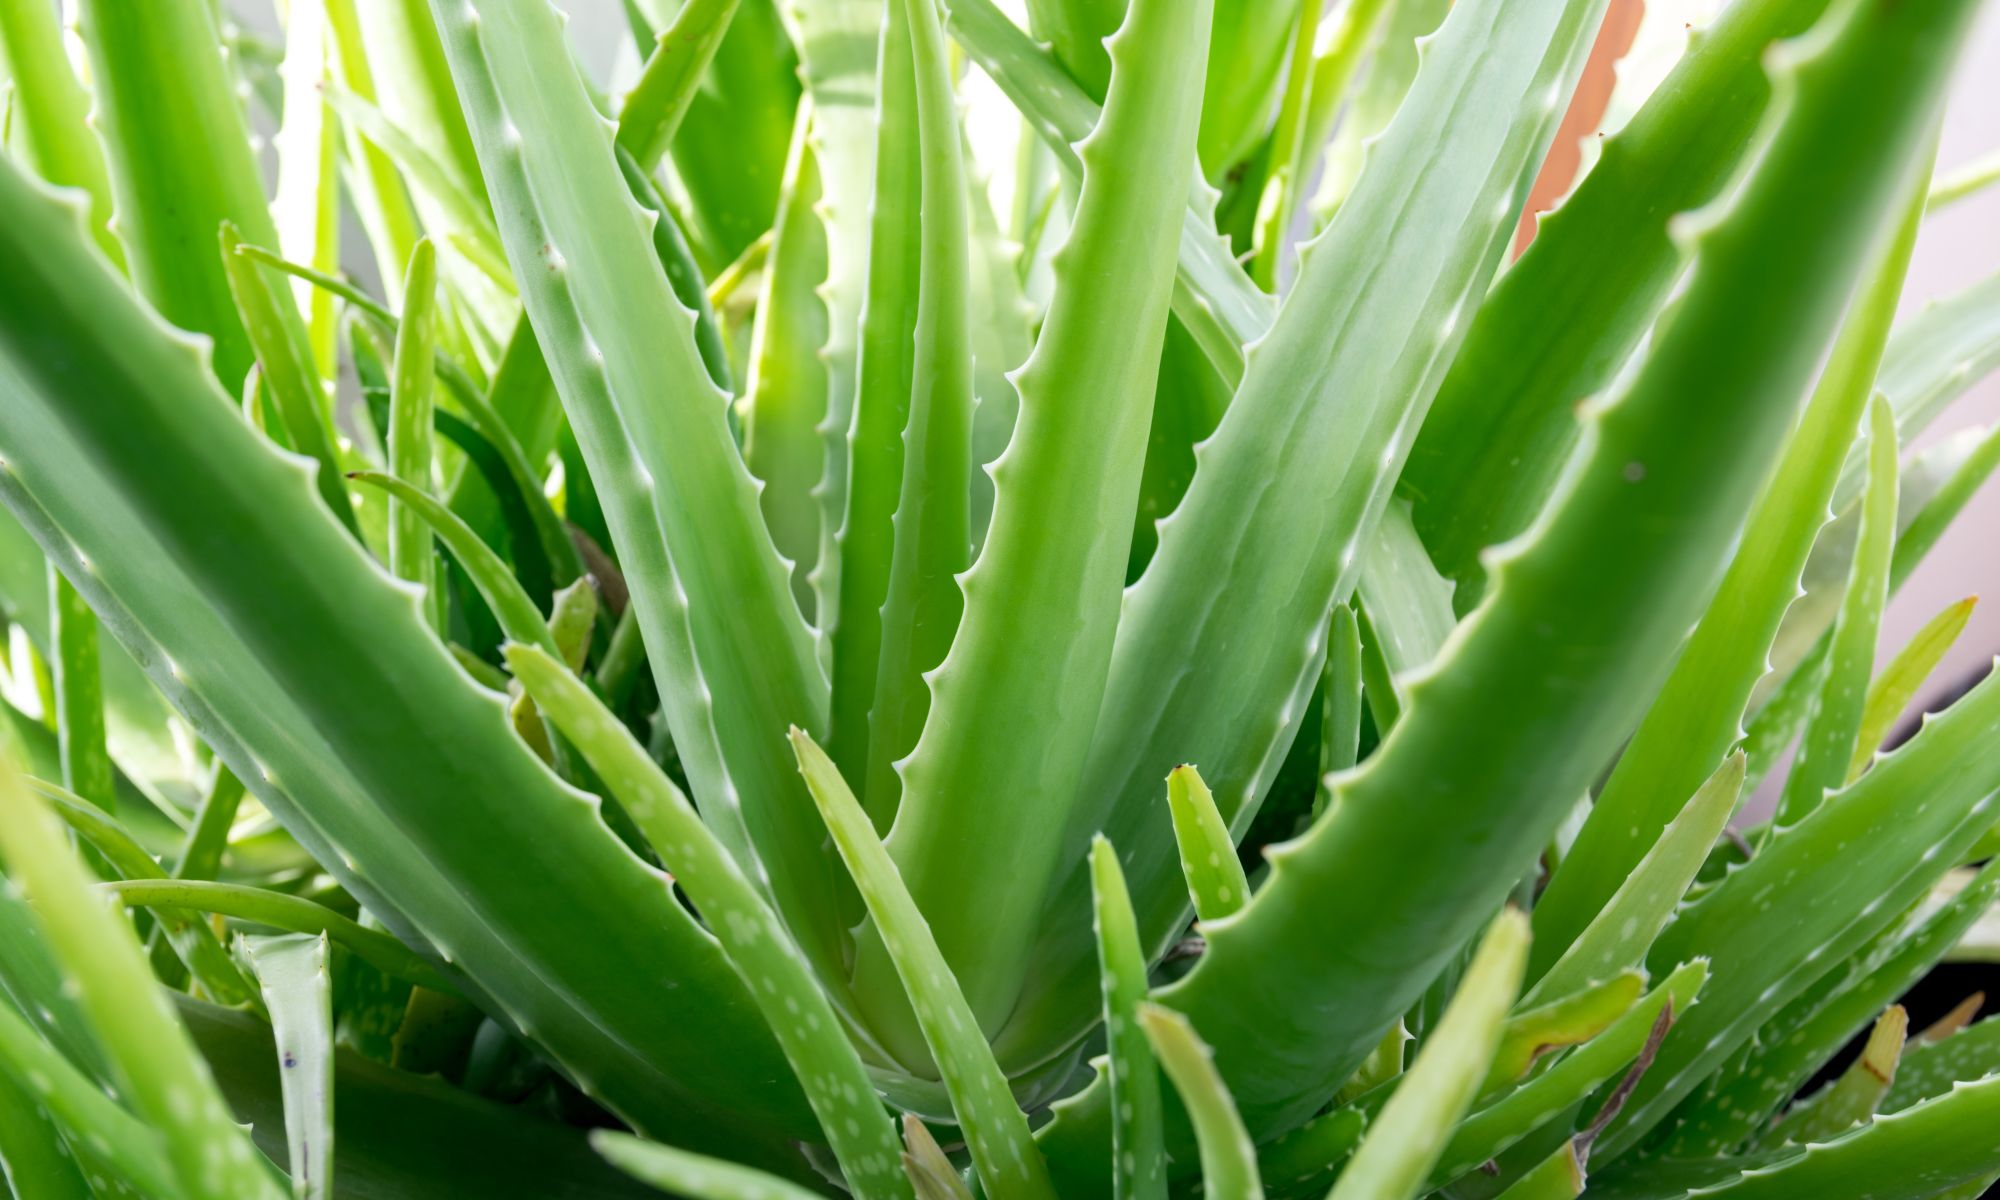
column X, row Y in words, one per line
column 1698, row 714
column 826, row 1063
column 316, row 681
column 1004, row 1154
column 1228, row 1157
column 1898, row 829
column 733, row 658
column 1834, row 719
column 151, row 1059
column 1904, row 1156
column 291, row 969
column 993, row 779
column 1404, row 1142
column 1289, row 489
column 1563, row 319
column 179, row 153
column 785, row 397
column 933, row 522
column 1538, row 686
column 51, row 112
column 1139, row 1155
column 884, row 384
column 1736, row 1102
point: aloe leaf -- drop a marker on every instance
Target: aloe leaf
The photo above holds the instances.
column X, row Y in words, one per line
column 1004, row 1154
column 1404, row 1143
column 932, row 1176
column 1340, row 689
column 693, row 1175
column 1948, row 346
column 1305, row 457
column 179, row 155
column 932, row 544
column 677, row 260
column 1287, row 148
column 1392, row 65
column 1931, row 1069
column 798, row 1012
column 1698, row 713
column 786, row 395
column 1215, row 877
column 38, row 1161
column 1904, row 1156
column 1558, row 1091
column 1138, row 1149
column 1834, row 718
column 1560, row 323
column 1430, row 855
column 1560, row 1176
column 1215, row 299
column 1228, row 1157
column 196, row 944
column 519, row 619
column 1576, row 1017
column 1851, row 1099
column 79, row 687
column 375, row 187
column 79, row 1106
column 155, row 1064
column 1763, row 959
column 306, row 207
column 1741, row 1098
column 411, row 405
column 1042, row 604
column 1408, row 605
column 1897, row 684
column 1313, row 1149
column 654, row 108
column 885, row 385
column 292, row 972
column 733, row 658
column 281, row 911
column 317, row 682
column 1617, row 937
column 51, row 110
column 284, row 357
column 1246, row 61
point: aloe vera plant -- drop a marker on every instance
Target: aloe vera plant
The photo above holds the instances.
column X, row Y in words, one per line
column 753, row 643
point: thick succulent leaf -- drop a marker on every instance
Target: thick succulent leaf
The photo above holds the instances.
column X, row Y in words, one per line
column 316, row 681
column 77, row 1104
column 1931, row 1069
column 1792, row 1047
column 1305, row 458
column 1004, row 1154
column 1228, row 1157
column 412, row 391
column 1557, row 1093
column 1215, row 878
column 1851, row 1099
column 1617, row 937
column 932, row 1175
column 1893, row 846
column 733, row 658
column 1569, row 313
column 1897, row 684
column 1566, row 641
column 1575, row 1018
column 1246, row 62
column 50, row 110
column 76, row 669
column 1392, row 66
column 1340, row 699
column 785, row 397
column 292, row 972
column 1698, row 714
column 1312, row 1150
column 180, row 159
column 1904, row 1156
column 1948, row 346
column 659, row 100
column 1560, row 1176
column 1404, row 1143
column 798, row 1012
column 37, row 1158
column 151, row 1058
column 1139, row 1166
column 997, row 765
column 1834, row 719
